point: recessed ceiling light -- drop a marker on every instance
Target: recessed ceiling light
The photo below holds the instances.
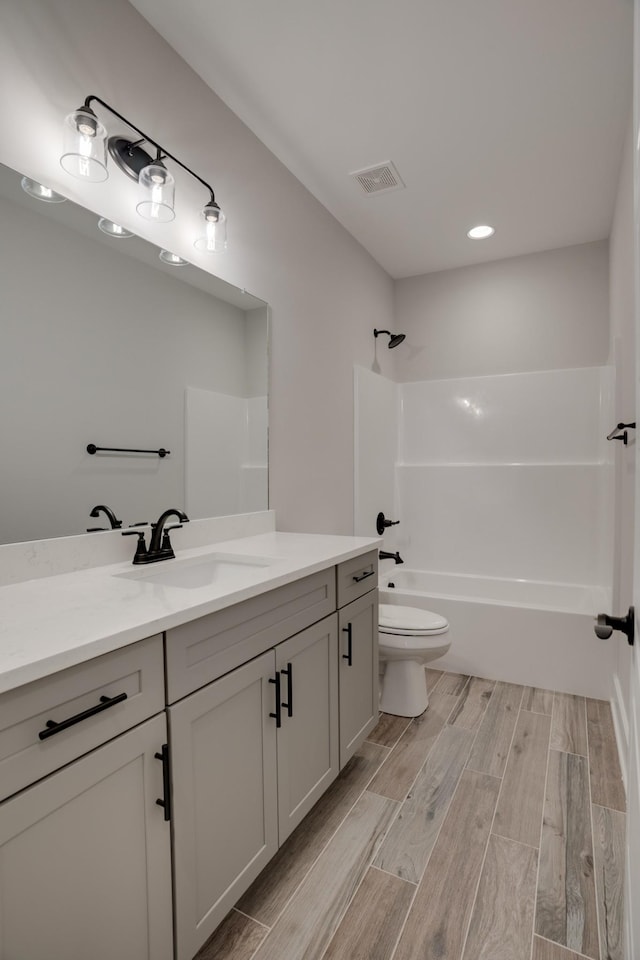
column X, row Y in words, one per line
column 172, row 259
column 40, row 192
column 113, row 229
column 481, row 232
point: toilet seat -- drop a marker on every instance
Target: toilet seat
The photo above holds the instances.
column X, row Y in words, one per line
column 400, row 621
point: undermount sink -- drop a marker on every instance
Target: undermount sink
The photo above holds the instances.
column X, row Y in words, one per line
column 213, row 569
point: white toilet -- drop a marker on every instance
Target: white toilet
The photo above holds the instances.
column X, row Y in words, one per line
column 408, row 639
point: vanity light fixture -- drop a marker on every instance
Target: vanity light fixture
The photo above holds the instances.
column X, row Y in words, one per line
column 40, row 192
column 85, row 156
column 481, row 232
column 215, row 235
column 113, row 229
column 172, row 259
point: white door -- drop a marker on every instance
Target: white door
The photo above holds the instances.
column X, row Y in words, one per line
column 633, row 768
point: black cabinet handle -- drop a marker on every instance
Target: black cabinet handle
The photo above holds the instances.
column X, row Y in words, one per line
column 288, row 672
column 364, row 576
column 277, row 715
column 166, row 781
column 348, row 656
column 53, row 726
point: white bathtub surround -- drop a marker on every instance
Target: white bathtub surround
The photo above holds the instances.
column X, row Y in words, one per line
column 237, row 481
column 533, row 633
column 508, row 475
column 550, row 416
column 375, row 404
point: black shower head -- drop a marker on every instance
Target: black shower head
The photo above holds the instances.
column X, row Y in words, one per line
column 395, row 338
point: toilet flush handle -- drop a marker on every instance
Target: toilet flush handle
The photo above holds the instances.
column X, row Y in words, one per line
column 605, row 625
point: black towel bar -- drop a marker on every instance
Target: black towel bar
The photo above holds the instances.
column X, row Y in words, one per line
column 91, row 448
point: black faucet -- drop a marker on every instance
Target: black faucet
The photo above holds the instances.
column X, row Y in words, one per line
column 384, row 555
column 113, row 520
column 160, row 545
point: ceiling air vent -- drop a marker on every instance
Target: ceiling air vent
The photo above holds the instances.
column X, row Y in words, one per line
column 379, row 179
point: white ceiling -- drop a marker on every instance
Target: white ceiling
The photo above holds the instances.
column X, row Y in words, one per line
column 508, row 112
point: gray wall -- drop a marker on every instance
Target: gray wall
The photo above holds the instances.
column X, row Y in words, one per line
column 542, row 311
column 325, row 291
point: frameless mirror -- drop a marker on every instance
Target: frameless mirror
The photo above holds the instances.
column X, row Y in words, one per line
column 104, row 343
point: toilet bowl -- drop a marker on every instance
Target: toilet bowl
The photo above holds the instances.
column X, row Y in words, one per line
column 408, row 638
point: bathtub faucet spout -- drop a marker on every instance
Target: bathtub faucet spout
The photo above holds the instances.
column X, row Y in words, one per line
column 385, row 555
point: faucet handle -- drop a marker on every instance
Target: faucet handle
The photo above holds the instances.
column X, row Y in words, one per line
column 382, row 523
column 166, row 542
column 141, row 546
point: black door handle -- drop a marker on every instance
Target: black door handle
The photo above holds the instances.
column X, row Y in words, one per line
column 54, row 726
column 288, row 672
column 277, row 716
column 348, row 656
column 605, row 625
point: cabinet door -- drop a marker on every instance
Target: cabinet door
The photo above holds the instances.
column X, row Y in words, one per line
column 225, row 826
column 308, row 754
column 358, row 660
column 85, row 858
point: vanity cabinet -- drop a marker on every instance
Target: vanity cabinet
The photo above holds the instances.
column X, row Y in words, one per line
column 85, row 852
column 231, row 725
column 308, row 749
column 357, row 597
column 358, row 631
column 251, row 754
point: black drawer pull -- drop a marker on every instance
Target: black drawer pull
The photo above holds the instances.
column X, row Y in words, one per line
column 53, row 726
column 277, row 716
column 364, row 576
column 348, row 656
column 166, row 781
column 288, row 672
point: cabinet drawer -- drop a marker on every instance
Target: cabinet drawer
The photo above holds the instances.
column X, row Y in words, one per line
column 72, row 695
column 205, row 649
column 357, row 577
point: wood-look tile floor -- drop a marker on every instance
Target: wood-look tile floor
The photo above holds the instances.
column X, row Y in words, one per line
column 490, row 828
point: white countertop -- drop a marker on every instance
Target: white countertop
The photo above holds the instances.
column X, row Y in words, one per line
column 51, row 623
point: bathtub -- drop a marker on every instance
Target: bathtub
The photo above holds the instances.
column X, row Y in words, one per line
column 522, row 631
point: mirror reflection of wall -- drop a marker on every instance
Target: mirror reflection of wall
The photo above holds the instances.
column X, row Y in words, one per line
column 101, row 347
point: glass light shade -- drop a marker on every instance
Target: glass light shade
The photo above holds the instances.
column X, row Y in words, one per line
column 85, row 147
column 40, row 192
column 113, row 229
column 172, row 259
column 215, row 235
column 157, row 193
